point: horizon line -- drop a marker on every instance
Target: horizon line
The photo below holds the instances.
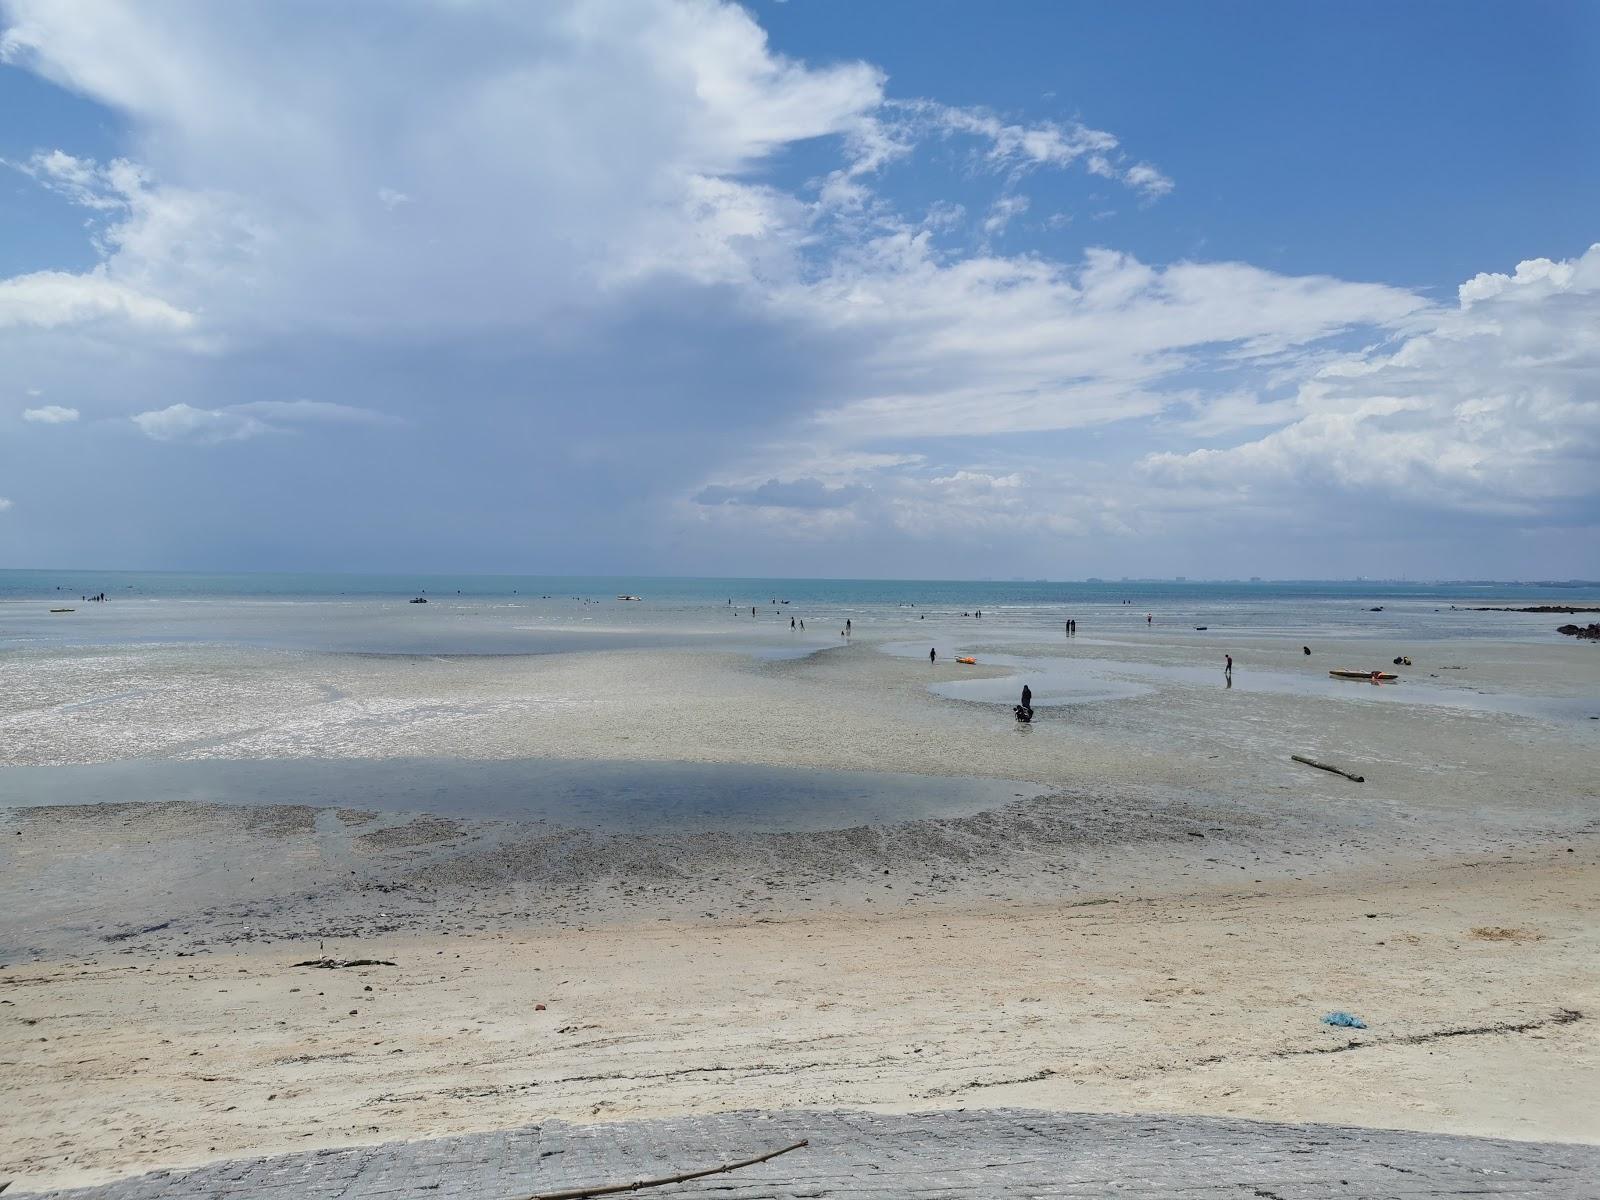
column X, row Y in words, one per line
column 1092, row 579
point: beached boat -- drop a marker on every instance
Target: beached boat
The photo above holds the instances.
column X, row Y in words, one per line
column 637, row 598
column 971, row 662
column 1383, row 676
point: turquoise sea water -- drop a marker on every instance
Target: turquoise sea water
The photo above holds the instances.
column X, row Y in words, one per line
column 507, row 614
column 19, row 584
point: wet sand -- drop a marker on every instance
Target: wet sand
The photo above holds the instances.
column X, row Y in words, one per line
column 845, row 708
column 1160, row 932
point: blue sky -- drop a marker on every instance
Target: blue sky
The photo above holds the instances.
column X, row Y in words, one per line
column 1411, row 143
column 811, row 288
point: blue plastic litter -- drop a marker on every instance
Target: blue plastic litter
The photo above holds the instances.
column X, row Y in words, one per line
column 1344, row 1019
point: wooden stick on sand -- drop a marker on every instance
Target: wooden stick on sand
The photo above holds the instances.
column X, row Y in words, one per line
column 610, row 1189
column 1321, row 766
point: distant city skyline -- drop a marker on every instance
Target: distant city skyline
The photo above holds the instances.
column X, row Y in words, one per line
column 675, row 287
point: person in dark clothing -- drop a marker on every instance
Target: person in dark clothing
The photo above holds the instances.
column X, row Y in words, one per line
column 1024, row 710
column 933, row 655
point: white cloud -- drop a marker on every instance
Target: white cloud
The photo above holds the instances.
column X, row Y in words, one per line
column 1010, row 145
column 971, row 481
column 166, row 249
column 253, row 199
column 539, row 187
column 79, row 179
column 5, row 504
column 1145, row 178
column 238, row 422
column 184, row 423
column 1488, row 408
column 1492, row 407
column 1002, row 212
column 1007, row 345
column 50, row 414
column 51, row 299
column 1232, row 411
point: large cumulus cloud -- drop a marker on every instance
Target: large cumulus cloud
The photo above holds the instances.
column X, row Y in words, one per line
column 532, row 286
column 1492, row 407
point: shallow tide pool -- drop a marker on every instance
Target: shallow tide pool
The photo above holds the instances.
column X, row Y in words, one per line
column 620, row 796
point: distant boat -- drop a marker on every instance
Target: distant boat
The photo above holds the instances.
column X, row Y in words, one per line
column 418, row 600
column 630, row 597
column 63, row 610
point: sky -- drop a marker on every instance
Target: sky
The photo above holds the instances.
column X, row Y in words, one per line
column 819, row 288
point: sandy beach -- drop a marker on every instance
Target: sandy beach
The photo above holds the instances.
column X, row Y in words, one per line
column 1476, row 980
column 1156, row 921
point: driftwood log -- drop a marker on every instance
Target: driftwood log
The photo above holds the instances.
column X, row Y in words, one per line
column 613, row 1188
column 1322, row 766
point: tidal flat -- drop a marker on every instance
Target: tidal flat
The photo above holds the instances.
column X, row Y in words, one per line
column 778, row 872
